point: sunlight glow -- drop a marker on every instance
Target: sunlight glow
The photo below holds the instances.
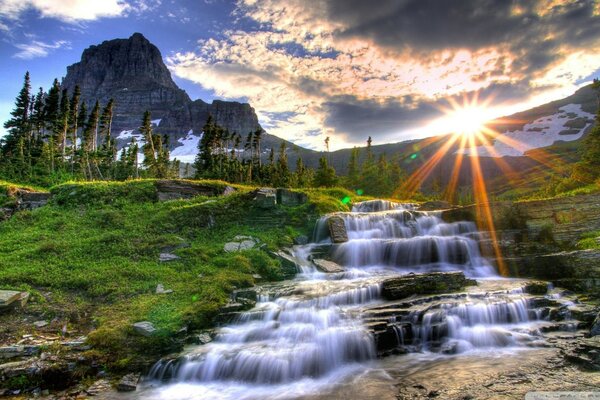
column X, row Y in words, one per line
column 466, row 118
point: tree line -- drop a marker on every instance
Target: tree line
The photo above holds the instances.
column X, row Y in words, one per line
column 53, row 137
column 226, row 156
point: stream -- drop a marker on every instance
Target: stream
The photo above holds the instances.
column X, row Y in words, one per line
column 322, row 335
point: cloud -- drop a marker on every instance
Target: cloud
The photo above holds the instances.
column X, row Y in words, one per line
column 72, row 11
column 343, row 67
column 37, row 49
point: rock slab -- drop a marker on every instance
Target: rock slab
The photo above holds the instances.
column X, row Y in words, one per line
column 337, row 229
column 327, row 266
column 417, row 284
column 144, row 328
column 128, row 383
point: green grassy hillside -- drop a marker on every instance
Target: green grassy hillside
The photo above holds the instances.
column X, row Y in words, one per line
column 91, row 258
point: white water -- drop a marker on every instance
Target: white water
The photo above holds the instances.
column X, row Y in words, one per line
column 302, row 344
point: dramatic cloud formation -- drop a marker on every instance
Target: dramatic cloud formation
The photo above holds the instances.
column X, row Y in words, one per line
column 349, row 69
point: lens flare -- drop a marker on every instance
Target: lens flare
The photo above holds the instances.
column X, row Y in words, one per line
column 471, row 127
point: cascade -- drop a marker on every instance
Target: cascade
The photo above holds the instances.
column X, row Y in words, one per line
column 324, row 326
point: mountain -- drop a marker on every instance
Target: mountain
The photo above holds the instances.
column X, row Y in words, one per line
column 132, row 72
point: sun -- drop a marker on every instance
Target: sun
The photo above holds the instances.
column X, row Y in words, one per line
column 466, row 121
column 466, row 118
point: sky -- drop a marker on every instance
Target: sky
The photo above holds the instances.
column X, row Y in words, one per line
column 344, row 69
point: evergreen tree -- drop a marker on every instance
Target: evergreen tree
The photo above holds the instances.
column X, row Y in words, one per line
column 52, row 109
column 19, row 130
column 353, row 171
column 325, row 175
column 64, row 117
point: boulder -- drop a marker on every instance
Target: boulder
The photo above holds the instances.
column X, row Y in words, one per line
column 9, row 299
column 30, row 200
column 160, row 289
column 327, row 266
column 165, row 257
column 287, row 197
column 144, row 328
column 289, row 264
column 417, row 284
column 240, row 243
column 337, row 229
column 40, row 324
column 128, row 383
column 266, row 198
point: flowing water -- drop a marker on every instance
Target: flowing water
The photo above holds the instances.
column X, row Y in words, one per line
column 308, row 340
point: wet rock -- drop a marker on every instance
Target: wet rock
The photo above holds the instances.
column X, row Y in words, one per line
column 160, row 289
column 257, row 276
column 144, row 328
column 265, row 198
column 289, row 264
column 595, row 330
column 417, row 284
column 287, row 197
column 202, row 338
column 586, row 353
column 337, row 229
column 327, row 266
column 165, row 257
column 128, row 383
column 583, row 312
column 536, row 287
column 301, row 240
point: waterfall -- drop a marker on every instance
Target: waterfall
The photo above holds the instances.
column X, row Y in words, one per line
column 410, row 240
column 326, row 323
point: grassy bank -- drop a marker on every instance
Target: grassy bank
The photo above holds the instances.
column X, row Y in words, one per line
column 91, row 258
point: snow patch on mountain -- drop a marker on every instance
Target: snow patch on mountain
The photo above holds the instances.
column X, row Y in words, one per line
column 542, row 132
column 186, row 152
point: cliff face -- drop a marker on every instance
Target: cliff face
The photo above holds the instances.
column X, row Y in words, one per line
column 133, row 73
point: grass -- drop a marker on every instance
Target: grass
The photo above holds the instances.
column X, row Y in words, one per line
column 92, row 257
column 589, row 240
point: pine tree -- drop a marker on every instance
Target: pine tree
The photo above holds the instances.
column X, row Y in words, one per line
column 19, row 130
column 64, row 117
column 106, row 121
column 353, row 173
column 325, row 175
column 52, row 109
column 148, row 149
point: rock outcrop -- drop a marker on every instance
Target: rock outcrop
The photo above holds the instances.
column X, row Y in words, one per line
column 538, row 239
